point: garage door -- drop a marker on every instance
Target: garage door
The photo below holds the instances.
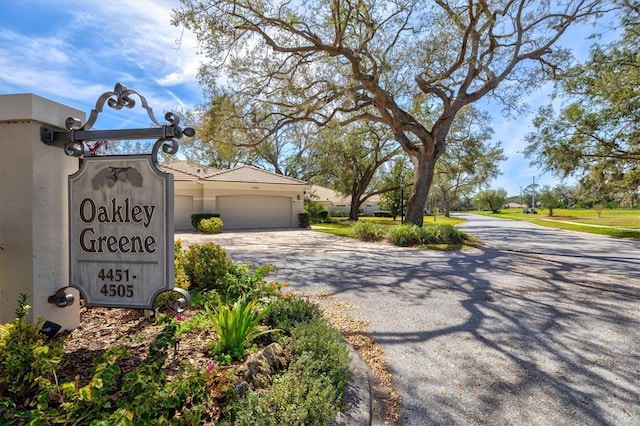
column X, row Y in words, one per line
column 254, row 211
column 183, row 209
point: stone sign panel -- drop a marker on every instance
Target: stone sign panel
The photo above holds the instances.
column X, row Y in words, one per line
column 121, row 231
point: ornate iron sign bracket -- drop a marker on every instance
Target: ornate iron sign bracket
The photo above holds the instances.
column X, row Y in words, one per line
column 121, row 239
column 74, row 138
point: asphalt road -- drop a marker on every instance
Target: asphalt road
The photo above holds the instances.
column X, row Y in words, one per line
column 521, row 331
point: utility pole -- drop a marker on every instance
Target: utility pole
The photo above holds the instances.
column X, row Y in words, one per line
column 520, row 196
column 533, row 195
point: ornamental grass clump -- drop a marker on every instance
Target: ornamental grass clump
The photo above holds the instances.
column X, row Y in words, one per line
column 237, row 326
column 368, row 231
column 410, row 235
column 405, row 235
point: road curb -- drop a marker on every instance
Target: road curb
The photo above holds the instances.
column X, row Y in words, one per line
column 357, row 395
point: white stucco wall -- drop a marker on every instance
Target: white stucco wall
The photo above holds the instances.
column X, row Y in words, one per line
column 33, row 209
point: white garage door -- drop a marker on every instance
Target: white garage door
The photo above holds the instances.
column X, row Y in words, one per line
column 183, row 209
column 254, row 211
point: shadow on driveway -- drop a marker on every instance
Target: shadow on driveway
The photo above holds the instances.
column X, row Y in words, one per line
column 475, row 337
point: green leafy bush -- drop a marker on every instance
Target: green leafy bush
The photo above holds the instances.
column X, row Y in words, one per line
column 205, row 265
column 207, row 268
column 320, row 351
column 197, row 217
column 286, row 313
column 236, row 326
column 304, row 220
column 405, row 235
column 141, row 396
column 167, row 299
column 243, row 282
column 314, row 209
column 25, row 354
column 210, row 226
column 368, row 231
column 311, row 389
column 452, row 235
column 408, row 235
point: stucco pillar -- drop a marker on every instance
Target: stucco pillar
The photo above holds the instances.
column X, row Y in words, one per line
column 208, row 200
column 34, row 252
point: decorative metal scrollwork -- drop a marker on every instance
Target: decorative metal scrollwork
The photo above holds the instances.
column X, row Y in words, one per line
column 74, row 139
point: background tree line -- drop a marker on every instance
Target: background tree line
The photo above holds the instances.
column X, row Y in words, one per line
column 362, row 95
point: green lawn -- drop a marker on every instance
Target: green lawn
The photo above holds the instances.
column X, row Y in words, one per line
column 615, row 223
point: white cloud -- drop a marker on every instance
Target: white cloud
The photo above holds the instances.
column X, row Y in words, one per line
column 74, row 51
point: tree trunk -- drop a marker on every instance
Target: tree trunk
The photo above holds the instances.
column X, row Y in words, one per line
column 355, row 206
column 423, row 177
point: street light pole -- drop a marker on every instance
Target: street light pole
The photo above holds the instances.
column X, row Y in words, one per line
column 402, row 202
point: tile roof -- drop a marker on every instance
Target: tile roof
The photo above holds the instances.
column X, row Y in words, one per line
column 188, row 171
column 252, row 174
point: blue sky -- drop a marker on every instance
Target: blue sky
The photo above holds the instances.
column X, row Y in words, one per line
column 74, row 51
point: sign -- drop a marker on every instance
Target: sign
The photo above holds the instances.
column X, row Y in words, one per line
column 121, row 231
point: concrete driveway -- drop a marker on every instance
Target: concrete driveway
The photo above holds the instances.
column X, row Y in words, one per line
column 483, row 336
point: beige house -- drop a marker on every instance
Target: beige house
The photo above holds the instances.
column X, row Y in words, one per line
column 245, row 197
column 335, row 201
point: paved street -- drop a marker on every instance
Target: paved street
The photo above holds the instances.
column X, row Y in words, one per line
column 508, row 334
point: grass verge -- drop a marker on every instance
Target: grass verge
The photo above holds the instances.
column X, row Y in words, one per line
column 612, row 223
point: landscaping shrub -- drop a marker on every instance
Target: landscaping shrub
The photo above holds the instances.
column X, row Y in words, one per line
column 141, row 396
column 208, row 268
column 210, row 226
column 408, row 235
column 25, row 355
column 368, row 231
column 452, row 235
column 405, row 235
column 205, row 265
column 304, row 220
column 339, row 213
column 286, row 313
column 310, row 391
column 167, row 299
column 314, row 210
column 197, row 217
column 320, row 351
column 382, row 213
column 243, row 282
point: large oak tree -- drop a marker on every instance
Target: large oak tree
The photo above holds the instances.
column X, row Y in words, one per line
column 386, row 62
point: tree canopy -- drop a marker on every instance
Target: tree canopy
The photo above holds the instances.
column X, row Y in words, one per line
column 492, row 199
column 596, row 133
column 411, row 65
column 471, row 159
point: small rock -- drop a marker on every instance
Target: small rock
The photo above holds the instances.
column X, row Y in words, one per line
column 260, row 367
